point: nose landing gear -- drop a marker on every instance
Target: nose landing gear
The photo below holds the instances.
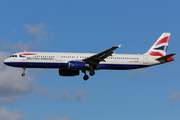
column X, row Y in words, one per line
column 23, row 74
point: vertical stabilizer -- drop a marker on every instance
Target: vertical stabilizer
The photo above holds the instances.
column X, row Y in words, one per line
column 160, row 46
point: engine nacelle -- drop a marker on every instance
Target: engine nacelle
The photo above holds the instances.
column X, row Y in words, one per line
column 76, row 65
column 66, row 72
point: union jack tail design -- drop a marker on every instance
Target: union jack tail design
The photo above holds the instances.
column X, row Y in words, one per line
column 160, row 46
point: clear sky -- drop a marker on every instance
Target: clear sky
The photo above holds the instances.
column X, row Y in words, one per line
column 90, row 27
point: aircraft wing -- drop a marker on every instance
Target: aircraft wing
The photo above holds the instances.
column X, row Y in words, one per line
column 95, row 59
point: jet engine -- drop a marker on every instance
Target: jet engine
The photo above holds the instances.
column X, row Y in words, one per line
column 67, row 72
column 77, row 65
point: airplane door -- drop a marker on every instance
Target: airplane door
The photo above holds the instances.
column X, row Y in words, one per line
column 58, row 57
column 145, row 59
column 24, row 58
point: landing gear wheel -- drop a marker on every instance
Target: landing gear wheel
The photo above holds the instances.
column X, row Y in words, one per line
column 86, row 77
column 23, row 74
column 91, row 73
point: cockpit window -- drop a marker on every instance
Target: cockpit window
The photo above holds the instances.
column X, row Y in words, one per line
column 13, row 56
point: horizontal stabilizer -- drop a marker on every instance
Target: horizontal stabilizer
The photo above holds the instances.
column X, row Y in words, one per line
column 166, row 57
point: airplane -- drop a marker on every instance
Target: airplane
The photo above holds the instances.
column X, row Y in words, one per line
column 69, row 64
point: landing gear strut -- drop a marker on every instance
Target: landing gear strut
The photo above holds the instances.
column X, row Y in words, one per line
column 92, row 72
column 23, row 74
column 86, row 77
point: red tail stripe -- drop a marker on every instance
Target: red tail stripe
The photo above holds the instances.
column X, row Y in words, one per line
column 156, row 54
column 164, row 40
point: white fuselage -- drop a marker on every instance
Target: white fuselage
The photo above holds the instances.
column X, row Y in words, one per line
column 60, row 60
column 69, row 64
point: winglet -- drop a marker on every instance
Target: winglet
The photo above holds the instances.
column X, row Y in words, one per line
column 119, row 46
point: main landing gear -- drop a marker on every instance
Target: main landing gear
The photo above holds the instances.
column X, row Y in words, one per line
column 86, row 77
column 23, row 74
column 91, row 73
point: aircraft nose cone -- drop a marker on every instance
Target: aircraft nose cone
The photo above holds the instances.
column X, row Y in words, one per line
column 9, row 62
column 6, row 61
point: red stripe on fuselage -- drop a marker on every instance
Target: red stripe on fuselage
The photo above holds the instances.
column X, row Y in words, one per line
column 28, row 54
column 164, row 40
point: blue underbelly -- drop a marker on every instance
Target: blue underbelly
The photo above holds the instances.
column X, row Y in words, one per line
column 120, row 66
column 65, row 65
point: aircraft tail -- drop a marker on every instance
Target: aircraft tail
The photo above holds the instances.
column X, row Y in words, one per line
column 160, row 46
